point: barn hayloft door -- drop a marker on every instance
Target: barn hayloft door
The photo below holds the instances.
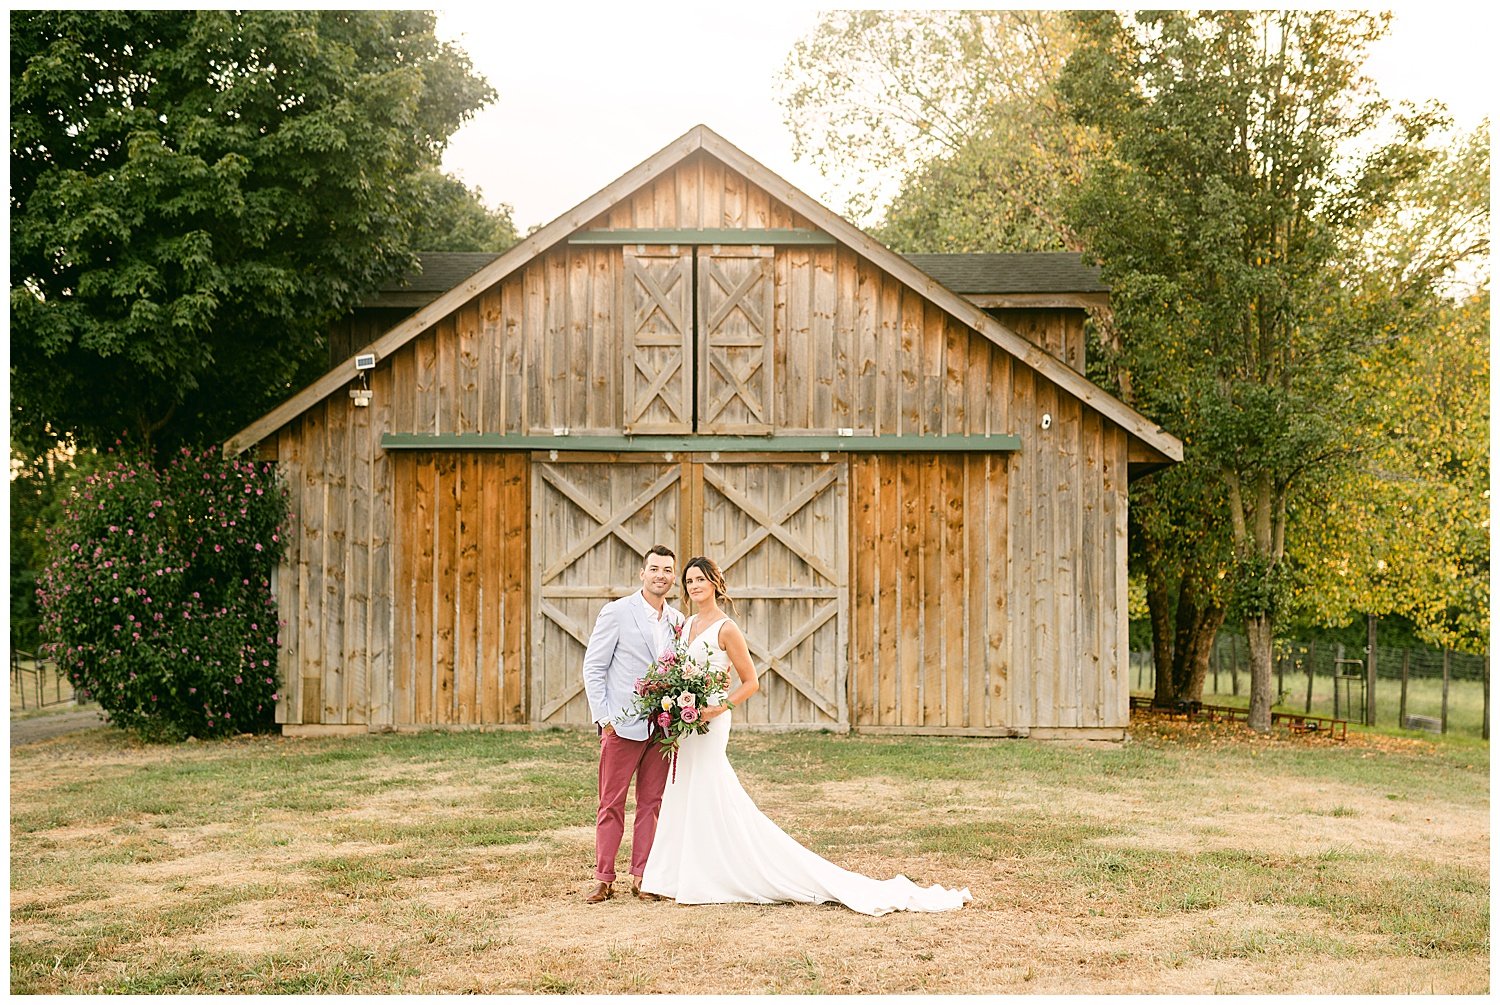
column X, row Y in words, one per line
column 735, row 358
column 658, row 338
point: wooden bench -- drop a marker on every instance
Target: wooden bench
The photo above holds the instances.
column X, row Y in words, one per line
column 1296, row 722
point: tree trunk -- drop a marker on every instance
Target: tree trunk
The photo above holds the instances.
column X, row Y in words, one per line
column 1198, row 623
column 1196, row 669
column 1160, row 587
column 1258, row 632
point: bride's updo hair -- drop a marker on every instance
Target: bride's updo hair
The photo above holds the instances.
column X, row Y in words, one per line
column 710, row 570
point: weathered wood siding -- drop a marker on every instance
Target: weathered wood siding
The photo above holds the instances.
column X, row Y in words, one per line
column 972, row 594
column 931, row 645
column 1058, row 330
column 334, row 585
column 1066, row 552
column 461, row 595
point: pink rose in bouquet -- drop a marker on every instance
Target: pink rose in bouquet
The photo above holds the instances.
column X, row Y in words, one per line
column 689, row 713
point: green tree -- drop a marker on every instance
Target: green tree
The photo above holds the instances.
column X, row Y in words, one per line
column 195, row 194
column 951, row 112
column 1224, row 217
column 1404, row 530
column 454, row 217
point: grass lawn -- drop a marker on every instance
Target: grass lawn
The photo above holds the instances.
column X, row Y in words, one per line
column 1190, row 859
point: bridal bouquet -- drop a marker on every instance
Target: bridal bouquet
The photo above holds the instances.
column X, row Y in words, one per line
column 672, row 694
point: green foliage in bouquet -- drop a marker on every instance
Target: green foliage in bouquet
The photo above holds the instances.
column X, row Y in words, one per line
column 157, row 599
column 672, row 695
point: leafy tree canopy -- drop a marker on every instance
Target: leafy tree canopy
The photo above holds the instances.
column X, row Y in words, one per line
column 195, row 194
column 455, row 218
column 951, row 117
column 1249, row 159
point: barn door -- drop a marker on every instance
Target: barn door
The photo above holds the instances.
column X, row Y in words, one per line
column 735, row 371
column 658, row 340
column 779, row 530
column 593, row 521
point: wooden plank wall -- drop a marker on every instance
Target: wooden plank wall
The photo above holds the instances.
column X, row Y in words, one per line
column 929, row 595
column 462, row 603
column 334, row 584
column 544, row 349
column 1059, row 331
column 1066, row 558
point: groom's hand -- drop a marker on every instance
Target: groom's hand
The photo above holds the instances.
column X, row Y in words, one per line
column 607, row 727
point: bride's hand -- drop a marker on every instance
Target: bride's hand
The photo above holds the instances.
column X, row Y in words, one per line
column 710, row 712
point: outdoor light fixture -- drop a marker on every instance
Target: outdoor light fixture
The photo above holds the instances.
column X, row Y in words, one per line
column 364, row 363
column 1046, row 420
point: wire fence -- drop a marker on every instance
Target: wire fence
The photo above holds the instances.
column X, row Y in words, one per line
column 36, row 683
column 1435, row 690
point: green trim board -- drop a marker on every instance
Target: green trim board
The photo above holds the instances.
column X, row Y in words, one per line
column 1000, row 443
column 711, row 235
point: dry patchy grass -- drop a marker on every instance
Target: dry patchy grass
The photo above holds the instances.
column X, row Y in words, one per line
column 1188, row 860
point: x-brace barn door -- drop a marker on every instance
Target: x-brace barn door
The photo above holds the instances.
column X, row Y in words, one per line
column 658, row 317
column 779, row 531
column 778, row 528
column 593, row 521
column 735, row 344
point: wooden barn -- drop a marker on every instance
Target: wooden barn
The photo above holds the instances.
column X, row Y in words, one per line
column 918, row 500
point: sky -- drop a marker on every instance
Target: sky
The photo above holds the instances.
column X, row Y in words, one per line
column 588, row 92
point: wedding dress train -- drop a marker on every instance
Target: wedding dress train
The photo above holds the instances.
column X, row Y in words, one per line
column 714, row 846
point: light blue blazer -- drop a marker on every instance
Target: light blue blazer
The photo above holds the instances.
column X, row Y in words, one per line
column 619, row 651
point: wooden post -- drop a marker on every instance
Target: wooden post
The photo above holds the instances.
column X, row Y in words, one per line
column 1308, row 709
column 1445, row 689
column 1281, row 677
column 1234, row 677
column 1338, row 656
column 1485, row 678
column 1215, row 664
column 1405, row 673
column 1370, row 674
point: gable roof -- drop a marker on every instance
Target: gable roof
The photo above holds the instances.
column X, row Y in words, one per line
column 702, row 138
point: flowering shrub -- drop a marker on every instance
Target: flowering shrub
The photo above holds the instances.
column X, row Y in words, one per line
column 157, row 600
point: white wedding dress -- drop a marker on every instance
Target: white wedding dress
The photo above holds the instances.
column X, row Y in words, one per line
column 713, row 846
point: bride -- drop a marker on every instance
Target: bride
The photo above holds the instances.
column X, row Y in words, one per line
column 713, row 846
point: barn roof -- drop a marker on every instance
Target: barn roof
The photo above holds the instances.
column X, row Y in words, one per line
column 1028, row 272
column 702, row 138
column 970, row 273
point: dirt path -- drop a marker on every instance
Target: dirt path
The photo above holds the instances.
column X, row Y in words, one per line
column 45, row 727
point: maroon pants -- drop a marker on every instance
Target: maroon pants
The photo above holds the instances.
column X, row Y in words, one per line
column 620, row 758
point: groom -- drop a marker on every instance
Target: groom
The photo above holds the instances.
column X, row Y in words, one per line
column 630, row 634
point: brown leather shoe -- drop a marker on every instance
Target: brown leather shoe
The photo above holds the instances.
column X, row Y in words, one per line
column 638, row 893
column 602, row 892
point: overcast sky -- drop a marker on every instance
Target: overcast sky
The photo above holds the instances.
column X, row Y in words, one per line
column 586, row 93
